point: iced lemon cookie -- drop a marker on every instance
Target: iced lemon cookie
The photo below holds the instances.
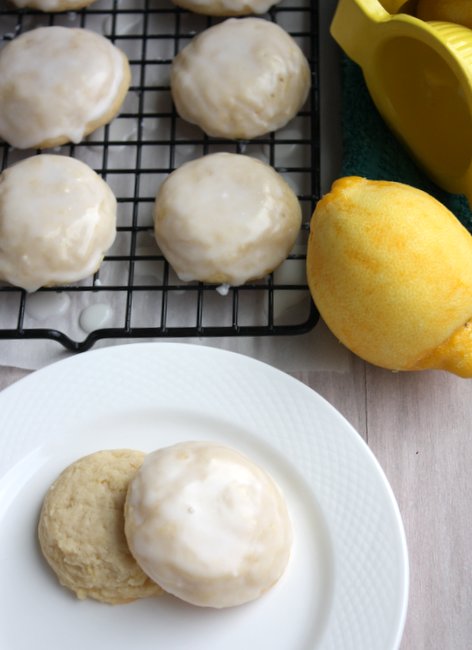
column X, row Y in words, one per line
column 225, row 7
column 207, row 524
column 225, row 218
column 240, row 79
column 57, row 220
column 59, row 84
column 51, row 6
column 81, row 529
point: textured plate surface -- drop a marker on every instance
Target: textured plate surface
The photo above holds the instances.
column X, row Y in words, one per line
column 347, row 582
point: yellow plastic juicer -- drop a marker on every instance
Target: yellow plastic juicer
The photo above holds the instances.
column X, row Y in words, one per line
column 419, row 75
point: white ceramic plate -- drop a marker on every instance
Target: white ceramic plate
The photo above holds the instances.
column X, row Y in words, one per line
column 347, row 581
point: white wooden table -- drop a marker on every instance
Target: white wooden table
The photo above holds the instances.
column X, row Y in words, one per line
column 419, row 425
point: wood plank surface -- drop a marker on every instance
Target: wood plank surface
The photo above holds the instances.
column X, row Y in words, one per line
column 419, row 426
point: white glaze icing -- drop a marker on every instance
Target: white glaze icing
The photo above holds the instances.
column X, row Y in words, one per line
column 240, row 78
column 55, row 82
column 57, row 219
column 227, row 7
column 223, row 289
column 95, row 316
column 41, row 306
column 207, row 524
column 225, row 218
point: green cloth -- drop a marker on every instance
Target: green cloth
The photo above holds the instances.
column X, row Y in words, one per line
column 371, row 150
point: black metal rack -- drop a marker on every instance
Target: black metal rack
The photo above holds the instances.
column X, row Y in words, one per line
column 134, row 153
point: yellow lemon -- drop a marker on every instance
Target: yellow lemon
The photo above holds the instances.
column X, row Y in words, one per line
column 390, row 270
column 452, row 11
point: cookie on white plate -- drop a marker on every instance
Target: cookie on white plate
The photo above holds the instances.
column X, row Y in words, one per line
column 240, row 79
column 58, row 84
column 57, row 220
column 225, row 218
column 81, row 529
column 208, row 524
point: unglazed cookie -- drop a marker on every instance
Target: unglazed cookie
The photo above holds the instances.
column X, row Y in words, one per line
column 240, row 79
column 57, row 219
column 207, row 524
column 226, row 7
column 81, row 529
column 51, row 6
column 225, row 218
column 59, row 84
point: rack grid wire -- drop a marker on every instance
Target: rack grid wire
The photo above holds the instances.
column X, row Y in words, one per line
column 135, row 293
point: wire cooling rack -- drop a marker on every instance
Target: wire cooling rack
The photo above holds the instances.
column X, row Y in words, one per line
column 135, row 293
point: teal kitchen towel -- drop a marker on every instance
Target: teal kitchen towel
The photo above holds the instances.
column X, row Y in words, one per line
column 371, row 150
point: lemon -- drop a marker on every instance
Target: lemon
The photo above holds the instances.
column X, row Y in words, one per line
column 390, row 270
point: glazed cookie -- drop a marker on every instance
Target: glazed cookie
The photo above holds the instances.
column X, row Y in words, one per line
column 225, row 218
column 226, row 7
column 51, row 6
column 57, row 219
column 208, row 524
column 59, row 84
column 240, row 79
column 81, row 529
